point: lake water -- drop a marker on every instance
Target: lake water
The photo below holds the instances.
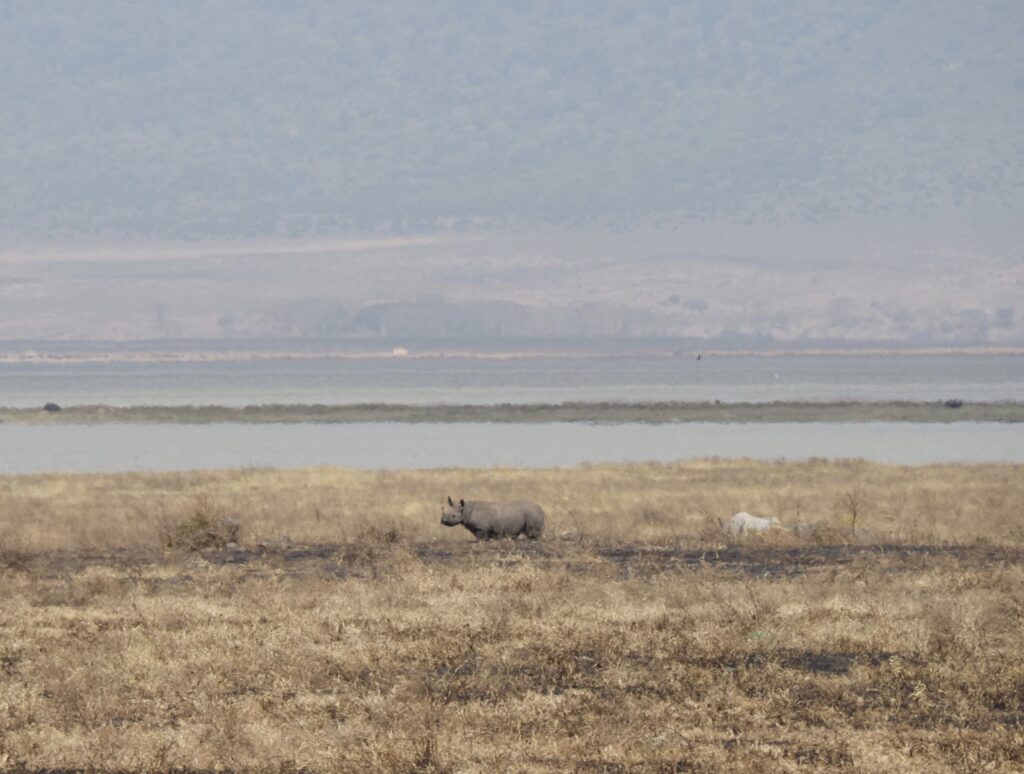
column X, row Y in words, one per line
column 133, row 447
column 525, row 380
column 113, row 447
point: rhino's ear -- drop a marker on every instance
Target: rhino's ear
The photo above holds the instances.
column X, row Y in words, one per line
column 462, row 503
column 450, row 500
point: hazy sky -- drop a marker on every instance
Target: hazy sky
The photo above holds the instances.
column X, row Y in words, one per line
column 232, row 119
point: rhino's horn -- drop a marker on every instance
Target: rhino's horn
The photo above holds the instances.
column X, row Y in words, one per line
column 450, row 500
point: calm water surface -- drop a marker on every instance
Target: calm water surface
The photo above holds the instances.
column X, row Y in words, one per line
column 464, row 380
column 133, row 447
column 27, row 449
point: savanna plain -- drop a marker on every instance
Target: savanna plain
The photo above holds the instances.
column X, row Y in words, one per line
column 324, row 620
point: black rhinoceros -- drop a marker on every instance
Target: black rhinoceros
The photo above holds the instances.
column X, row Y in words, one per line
column 487, row 520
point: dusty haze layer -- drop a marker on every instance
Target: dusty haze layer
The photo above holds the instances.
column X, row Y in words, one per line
column 757, row 287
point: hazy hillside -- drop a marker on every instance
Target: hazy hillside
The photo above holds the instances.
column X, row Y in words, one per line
column 722, row 287
column 244, row 119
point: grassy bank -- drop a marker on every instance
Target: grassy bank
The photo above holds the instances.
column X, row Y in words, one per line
column 350, row 631
column 608, row 413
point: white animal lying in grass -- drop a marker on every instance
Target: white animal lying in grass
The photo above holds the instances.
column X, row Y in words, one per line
column 743, row 522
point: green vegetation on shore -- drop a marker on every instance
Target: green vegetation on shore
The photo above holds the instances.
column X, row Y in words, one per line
column 602, row 413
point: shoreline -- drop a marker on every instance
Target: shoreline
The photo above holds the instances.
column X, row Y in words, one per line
column 610, row 413
column 113, row 357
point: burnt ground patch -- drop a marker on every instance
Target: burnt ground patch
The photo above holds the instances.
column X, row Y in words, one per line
column 642, row 560
column 817, row 662
column 624, row 561
column 797, row 560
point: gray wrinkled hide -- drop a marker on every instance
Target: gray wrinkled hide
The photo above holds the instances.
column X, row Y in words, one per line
column 487, row 520
column 744, row 522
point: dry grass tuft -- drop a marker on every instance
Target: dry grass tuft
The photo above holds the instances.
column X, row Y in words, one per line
column 206, row 526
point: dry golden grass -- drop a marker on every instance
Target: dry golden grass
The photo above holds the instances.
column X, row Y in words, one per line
column 645, row 503
column 639, row 640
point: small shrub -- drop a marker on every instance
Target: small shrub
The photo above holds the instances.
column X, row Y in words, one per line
column 205, row 527
column 852, row 503
column 382, row 534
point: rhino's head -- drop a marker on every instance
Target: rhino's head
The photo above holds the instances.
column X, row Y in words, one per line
column 451, row 514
